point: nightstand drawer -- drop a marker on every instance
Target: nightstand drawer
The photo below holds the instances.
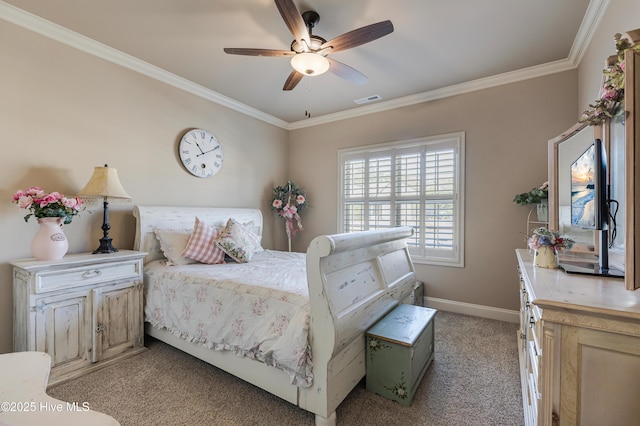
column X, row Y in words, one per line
column 86, row 275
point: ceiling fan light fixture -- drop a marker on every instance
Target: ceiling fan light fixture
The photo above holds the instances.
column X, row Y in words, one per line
column 310, row 64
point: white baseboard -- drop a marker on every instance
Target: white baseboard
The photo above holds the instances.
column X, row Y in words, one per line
column 471, row 309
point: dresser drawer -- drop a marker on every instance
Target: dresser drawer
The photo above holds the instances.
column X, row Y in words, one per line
column 86, row 275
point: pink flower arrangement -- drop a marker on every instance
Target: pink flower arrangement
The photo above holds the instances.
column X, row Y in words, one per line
column 287, row 202
column 54, row 204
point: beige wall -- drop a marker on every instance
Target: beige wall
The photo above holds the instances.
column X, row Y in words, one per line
column 507, row 129
column 62, row 112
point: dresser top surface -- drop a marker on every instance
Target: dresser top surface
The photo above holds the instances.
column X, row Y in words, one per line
column 554, row 288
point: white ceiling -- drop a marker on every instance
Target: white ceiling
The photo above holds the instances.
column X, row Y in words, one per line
column 436, row 45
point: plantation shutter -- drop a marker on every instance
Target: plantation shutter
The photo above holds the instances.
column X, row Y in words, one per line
column 415, row 184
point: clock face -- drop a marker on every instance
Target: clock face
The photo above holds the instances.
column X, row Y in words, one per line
column 201, row 153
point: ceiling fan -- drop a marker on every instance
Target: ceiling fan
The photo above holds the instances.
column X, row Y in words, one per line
column 309, row 52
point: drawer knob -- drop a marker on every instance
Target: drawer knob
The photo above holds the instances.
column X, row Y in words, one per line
column 91, row 274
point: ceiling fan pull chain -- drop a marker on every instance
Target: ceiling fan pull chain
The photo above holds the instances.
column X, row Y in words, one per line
column 307, row 112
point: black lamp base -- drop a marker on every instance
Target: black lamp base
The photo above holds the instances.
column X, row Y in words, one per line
column 105, row 241
column 105, row 246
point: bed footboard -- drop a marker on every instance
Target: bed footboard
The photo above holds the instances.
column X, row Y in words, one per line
column 354, row 279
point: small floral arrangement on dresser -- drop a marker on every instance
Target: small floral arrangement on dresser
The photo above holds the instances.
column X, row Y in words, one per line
column 542, row 237
column 613, row 82
column 42, row 204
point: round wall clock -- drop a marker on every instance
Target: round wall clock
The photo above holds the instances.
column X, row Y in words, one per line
column 200, row 153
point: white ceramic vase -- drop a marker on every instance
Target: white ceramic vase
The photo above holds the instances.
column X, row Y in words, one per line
column 50, row 243
column 546, row 257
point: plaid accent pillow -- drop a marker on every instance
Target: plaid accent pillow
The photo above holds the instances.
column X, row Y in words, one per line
column 202, row 246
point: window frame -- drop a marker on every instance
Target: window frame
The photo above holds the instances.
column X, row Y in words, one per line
column 423, row 254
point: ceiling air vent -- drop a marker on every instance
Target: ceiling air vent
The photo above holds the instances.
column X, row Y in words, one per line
column 367, row 99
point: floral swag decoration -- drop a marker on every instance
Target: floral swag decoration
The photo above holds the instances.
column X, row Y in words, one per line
column 544, row 237
column 288, row 202
column 40, row 204
column 613, row 85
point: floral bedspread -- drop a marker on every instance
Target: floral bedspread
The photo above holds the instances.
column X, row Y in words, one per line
column 258, row 309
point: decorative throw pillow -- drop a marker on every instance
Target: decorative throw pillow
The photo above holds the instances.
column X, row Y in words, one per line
column 238, row 242
column 202, row 244
column 251, row 227
column 172, row 243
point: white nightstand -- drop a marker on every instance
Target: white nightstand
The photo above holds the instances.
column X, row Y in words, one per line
column 84, row 310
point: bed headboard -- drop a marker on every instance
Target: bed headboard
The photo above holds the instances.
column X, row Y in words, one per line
column 149, row 218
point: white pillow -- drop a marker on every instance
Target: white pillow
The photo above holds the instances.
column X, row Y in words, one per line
column 172, row 243
column 253, row 228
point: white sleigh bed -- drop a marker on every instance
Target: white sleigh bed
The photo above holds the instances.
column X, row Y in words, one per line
column 353, row 280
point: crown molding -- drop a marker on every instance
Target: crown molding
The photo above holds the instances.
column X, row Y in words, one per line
column 592, row 17
column 63, row 35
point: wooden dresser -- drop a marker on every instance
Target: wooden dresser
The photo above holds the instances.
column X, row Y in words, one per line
column 84, row 310
column 579, row 348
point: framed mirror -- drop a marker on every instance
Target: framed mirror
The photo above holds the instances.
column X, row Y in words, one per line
column 620, row 138
column 565, row 213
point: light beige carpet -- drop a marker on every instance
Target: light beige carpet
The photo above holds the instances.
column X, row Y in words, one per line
column 474, row 380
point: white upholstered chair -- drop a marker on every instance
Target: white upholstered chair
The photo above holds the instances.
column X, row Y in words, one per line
column 24, row 400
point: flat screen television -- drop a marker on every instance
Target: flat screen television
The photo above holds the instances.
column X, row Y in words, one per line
column 590, row 207
column 583, row 189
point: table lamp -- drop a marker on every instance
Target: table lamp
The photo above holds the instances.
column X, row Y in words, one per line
column 104, row 183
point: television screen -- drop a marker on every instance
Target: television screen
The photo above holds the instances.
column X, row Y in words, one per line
column 583, row 190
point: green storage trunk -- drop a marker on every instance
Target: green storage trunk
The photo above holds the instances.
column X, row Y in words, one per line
column 399, row 351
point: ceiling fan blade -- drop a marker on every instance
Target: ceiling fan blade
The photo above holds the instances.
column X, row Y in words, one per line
column 359, row 36
column 346, row 72
column 293, row 19
column 258, row 52
column 293, row 80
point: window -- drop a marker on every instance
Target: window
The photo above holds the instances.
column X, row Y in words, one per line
column 417, row 183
